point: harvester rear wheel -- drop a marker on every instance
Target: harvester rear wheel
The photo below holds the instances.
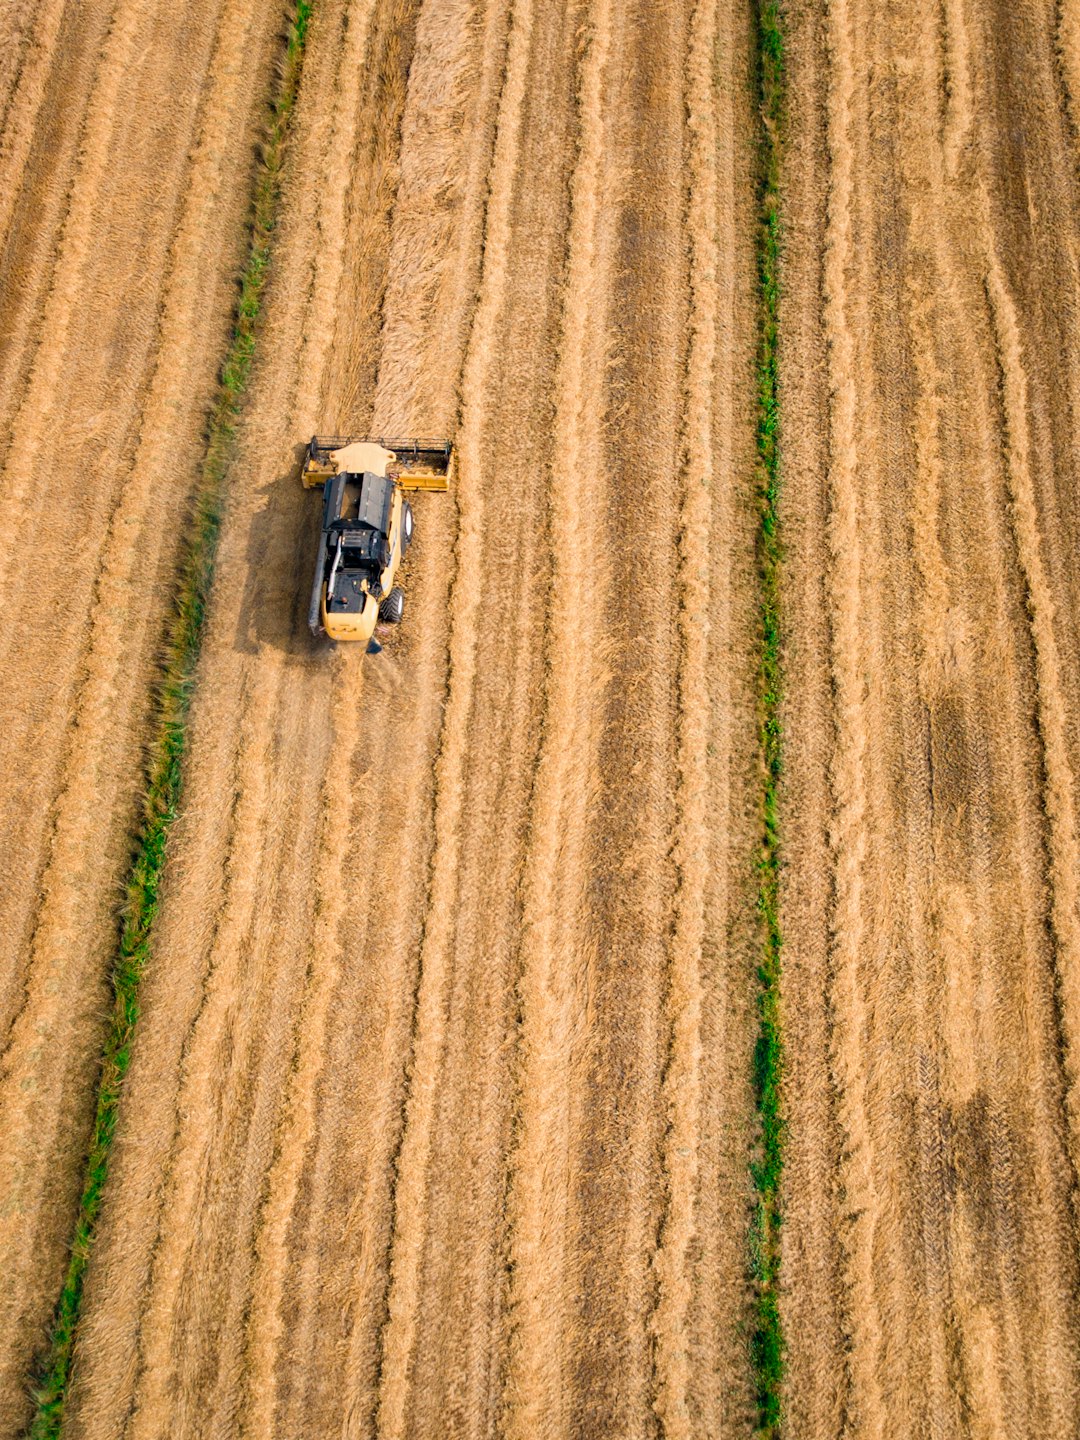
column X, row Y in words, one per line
column 393, row 607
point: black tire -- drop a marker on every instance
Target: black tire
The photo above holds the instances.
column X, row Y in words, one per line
column 393, row 607
column 406, row 526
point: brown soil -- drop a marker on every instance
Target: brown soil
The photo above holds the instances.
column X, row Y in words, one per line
column 125, row 163
column 931, row 353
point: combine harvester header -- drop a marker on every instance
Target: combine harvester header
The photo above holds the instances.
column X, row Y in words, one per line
column 414, row 464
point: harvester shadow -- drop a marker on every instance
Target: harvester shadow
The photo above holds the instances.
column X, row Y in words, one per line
column 282, row 542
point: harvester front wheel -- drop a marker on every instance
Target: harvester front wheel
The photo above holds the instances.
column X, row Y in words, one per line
column 393, row 607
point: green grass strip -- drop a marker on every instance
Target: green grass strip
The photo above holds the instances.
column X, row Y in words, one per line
column 164, row 770
column 767, row 1345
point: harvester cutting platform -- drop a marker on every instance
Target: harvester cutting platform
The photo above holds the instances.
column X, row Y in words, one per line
column 367, row 525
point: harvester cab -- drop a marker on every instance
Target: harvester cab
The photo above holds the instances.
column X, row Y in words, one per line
column 367, row 524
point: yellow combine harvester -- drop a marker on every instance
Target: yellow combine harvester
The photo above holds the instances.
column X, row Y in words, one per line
column 366, row 527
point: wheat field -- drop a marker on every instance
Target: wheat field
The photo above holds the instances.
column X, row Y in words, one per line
column 448, row 1089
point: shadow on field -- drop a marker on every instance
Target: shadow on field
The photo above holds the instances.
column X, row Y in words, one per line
column 282, row 543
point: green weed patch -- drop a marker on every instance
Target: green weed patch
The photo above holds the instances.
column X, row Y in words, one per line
column 767, row 1344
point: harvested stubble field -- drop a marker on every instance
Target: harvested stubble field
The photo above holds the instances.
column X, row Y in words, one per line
column 443, row 1112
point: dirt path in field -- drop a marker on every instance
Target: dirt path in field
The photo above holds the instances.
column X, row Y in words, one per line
column 125, row 163
column 395, row 1155
column 931, row 1006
